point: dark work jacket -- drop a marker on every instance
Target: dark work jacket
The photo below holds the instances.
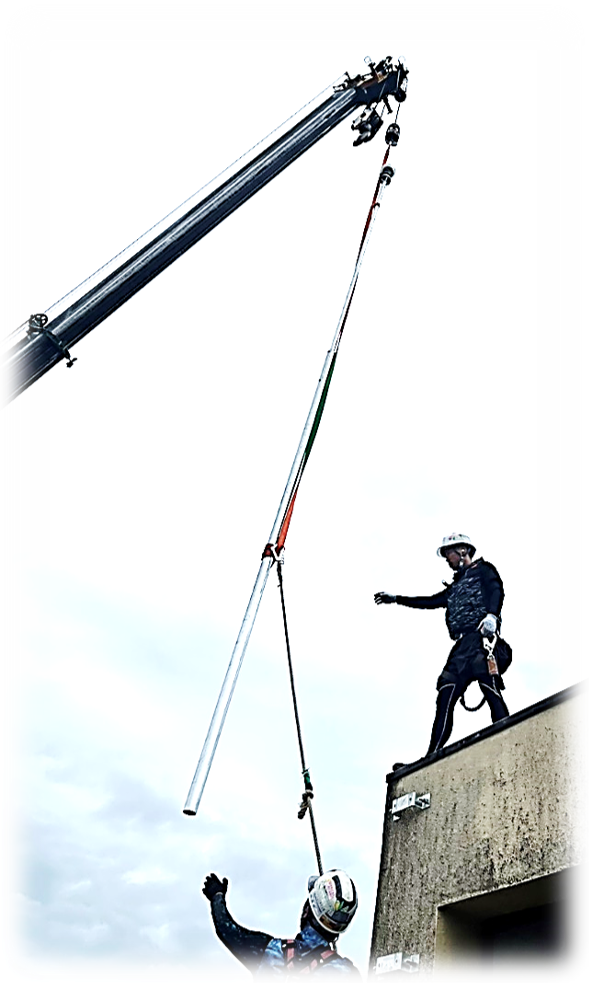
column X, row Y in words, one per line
column 475, row 591
column 263, row 954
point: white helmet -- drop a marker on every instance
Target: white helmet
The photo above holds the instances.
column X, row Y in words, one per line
column 455, row 539
column 333, row 900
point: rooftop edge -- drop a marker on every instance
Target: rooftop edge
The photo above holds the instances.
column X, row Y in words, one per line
column 481, row 735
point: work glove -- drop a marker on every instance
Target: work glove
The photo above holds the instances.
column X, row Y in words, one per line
column 383, row 598
column 488, row 625
column 213, row 885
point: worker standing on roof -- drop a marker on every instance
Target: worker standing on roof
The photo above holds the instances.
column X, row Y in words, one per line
column 330, row 906
column 473, row 604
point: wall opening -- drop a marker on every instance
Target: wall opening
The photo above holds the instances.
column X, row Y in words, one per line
column 526, row 921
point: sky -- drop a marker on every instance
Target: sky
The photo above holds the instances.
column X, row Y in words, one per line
column 141, row 485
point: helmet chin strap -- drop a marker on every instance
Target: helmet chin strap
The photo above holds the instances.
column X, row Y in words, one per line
column 308, row 918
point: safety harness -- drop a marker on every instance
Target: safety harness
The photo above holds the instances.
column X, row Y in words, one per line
column 309, row 961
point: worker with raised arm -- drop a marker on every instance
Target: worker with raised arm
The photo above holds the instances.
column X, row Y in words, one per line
column 328, row 910
column 473, row 602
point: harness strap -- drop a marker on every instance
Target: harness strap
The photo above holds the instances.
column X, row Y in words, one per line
column 288, row 953
column 307, row 963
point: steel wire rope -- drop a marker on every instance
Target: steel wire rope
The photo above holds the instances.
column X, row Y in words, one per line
column 195, row 193
column 307, row 794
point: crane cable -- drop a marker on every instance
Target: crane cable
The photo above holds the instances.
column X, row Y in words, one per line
column 276, row 551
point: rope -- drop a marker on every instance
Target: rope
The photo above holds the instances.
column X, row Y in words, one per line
column 306, row 805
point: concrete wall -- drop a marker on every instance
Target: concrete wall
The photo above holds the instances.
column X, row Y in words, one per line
column 505, row 810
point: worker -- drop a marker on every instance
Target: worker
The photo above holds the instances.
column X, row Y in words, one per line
column 330, row 906
column 473, row 604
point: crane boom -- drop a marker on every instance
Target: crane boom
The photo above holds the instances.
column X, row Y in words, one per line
column 47, row 342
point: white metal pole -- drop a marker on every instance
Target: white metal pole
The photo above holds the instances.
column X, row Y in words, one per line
column 218, row 719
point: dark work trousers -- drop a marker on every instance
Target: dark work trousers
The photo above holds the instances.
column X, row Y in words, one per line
column 448, row 695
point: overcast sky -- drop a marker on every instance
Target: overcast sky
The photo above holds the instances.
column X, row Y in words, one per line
column 143, row 482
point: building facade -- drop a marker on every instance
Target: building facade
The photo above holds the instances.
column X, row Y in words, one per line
column 480, row 845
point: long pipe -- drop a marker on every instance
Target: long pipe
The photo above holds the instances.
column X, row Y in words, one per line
column 218, row 719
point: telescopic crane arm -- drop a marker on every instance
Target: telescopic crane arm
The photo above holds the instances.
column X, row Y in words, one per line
column 47, row 342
